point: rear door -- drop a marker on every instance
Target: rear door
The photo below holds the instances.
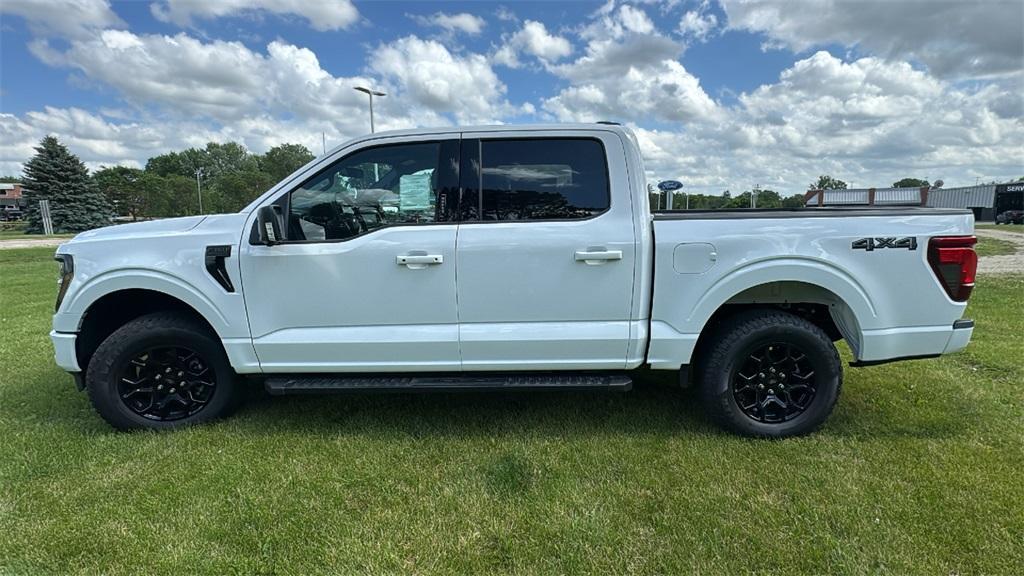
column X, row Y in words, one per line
column 545, row 256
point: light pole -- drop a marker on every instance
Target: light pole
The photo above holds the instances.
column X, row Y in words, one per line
column 199, row 188
column 371, row 94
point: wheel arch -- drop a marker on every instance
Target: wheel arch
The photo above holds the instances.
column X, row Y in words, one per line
column 806, row 286
column 110, row 311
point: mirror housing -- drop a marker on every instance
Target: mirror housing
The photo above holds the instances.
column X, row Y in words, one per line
column 268, row 226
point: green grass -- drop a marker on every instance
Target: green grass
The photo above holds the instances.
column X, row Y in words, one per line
column 994, row 247
column 917, row 472
column 1015, row 228
column 16, row 231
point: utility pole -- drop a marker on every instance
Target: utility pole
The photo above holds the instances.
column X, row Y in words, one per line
column 323, row 142
column 199, row 188
column 371, row 94
column 753, row 195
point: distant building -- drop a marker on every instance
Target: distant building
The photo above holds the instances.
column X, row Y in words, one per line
column 985, row 200
column 10, row 195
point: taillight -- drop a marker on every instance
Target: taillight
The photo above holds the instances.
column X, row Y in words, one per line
column 955, row 263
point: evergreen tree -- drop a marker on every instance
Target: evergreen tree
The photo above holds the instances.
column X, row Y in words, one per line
column 57, row 175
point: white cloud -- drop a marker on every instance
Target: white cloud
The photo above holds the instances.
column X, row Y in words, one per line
column 533, row 39
column 698, row 24
column 635, row 19
column 954, row 39
column 615, row 24
column 662, row 91
column 505, row 15
column 219, row 79
column 461, row 22
column 629, row 72
column 868, row 121
column 426, row 74
column 66, row 18
column 322, row 15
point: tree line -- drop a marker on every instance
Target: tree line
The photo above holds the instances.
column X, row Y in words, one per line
column 229, row 175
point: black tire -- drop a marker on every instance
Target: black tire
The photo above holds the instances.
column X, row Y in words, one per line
column 729, row 374
column 175, row 336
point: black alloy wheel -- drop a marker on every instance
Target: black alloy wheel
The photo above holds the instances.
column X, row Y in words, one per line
column 768, row 373
column 161, row 371
column 775, row 384
column 167, row 383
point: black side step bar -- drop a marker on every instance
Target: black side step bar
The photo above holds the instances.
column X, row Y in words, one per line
column 314, row 383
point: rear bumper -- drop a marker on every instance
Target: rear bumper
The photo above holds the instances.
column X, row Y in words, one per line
column 960, row 337
column 893, row 345
column 64, row 352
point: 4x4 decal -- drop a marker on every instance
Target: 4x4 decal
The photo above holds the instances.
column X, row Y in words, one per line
column 871, row 244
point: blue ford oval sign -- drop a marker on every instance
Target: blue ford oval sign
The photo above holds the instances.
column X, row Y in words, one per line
column 669, row 185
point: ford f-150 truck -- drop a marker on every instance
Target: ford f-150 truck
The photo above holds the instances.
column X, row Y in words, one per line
column 510, row 258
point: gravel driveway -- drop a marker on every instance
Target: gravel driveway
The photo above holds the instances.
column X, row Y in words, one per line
column 31, row 242
column 1008, row 264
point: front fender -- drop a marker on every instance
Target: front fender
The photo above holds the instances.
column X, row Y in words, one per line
column 78, row 302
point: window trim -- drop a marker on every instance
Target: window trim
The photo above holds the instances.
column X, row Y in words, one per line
column 287, row 196
column 480, row 194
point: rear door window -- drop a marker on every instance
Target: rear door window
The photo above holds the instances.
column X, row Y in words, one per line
column 534, row 179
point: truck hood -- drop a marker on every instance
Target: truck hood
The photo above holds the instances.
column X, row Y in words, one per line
column 141, row 229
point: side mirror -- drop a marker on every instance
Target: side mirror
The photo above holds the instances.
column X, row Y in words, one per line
column 268, row 226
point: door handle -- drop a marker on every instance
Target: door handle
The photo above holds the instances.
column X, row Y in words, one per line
column 419, row 260
column 597, row 256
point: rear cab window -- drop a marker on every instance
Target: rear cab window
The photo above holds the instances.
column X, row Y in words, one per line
column 534, row 179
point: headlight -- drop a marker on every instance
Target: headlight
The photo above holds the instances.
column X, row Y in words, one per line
column 67, row 272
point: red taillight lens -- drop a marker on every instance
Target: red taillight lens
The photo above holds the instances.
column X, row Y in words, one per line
column 955, row 263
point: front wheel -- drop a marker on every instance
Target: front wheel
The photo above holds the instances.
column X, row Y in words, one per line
column 159, row 371
column 769, row 373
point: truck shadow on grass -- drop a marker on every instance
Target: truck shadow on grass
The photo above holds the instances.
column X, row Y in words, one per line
column 650, row 408
column 654, row 407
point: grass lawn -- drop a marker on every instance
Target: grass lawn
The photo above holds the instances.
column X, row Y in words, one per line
column 994, row 247
column 918, row 472
column 1016, row 228
column 19, row 234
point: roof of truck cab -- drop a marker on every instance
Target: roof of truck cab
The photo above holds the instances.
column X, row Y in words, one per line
column 591, row 126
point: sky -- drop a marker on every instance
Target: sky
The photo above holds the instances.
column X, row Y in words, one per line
column 722, row 94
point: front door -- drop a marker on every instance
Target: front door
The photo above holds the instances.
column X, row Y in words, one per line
column 545, row 258
column 365, row 280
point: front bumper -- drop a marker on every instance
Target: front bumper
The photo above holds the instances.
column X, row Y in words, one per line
column 64, row 352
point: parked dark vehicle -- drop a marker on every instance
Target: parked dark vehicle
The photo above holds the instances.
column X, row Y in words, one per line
column 10, row 214
column 1010, row 217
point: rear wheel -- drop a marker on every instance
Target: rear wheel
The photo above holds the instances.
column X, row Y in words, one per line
column 160, row 371
column 769, row 373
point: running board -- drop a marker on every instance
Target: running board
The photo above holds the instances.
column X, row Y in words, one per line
column 313, row 384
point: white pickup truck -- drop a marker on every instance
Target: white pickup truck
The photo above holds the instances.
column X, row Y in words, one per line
column 502, row 257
